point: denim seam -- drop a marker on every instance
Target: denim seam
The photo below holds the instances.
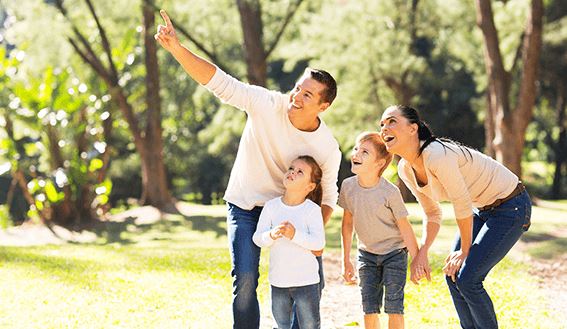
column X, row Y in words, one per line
column 487, row 256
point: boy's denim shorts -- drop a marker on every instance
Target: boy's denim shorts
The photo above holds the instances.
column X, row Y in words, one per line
column 379, row 273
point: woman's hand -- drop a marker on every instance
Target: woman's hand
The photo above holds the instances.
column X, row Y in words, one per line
column 419, row 267
column 453, row 263
column 348, row 272
column 166, row 35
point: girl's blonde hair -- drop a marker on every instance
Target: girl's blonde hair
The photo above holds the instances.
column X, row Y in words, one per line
column 378, row 144
column 316, row 175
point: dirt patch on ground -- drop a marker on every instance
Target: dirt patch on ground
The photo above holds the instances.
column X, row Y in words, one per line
column 340, row 304
column 551, row 277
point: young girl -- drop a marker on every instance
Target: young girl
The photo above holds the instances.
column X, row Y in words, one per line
column 436, row 170
column 374, row 207
column 292, row 225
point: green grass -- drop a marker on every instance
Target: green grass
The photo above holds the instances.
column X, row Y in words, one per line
column 513, row 290
column 174, row 273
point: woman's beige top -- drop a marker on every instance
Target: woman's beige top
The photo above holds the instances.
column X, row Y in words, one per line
column 462, row 176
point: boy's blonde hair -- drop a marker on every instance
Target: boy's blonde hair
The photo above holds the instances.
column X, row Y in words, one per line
column 378, row 144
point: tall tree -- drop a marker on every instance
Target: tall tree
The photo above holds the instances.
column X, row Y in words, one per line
column 148, row 139
column 256, row 50
column 509, row 115
column 554, row 91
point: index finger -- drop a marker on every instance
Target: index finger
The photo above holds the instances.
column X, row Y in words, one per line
column 165, row 18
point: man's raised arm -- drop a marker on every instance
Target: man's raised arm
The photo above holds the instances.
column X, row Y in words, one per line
column 197, row 67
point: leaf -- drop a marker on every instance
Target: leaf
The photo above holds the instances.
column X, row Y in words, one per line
column 38, row 205
column 95, row 164
column 33, row 186
column 51, row 192
column 102, row 199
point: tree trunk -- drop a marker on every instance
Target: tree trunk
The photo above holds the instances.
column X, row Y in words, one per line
column 154, row 179
column 561, row 145
column 489, row 130
column 254, row 51
column 64, row 212
column 510, row 125
column 149, row 144
column 404, row 93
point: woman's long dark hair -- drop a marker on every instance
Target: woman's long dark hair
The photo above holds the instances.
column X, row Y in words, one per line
column 424, row 133
column 316, row 175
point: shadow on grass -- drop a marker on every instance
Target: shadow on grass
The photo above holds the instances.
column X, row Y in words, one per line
column 76, row 271
column 65, row 263
column 130, row 230
column 537, row 237
column 548, row 248
column 208, row 224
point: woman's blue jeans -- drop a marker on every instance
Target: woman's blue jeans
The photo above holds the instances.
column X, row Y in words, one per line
column 495, row 231
column 245, row 258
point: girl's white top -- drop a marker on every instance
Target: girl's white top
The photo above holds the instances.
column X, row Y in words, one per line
column 291, row 262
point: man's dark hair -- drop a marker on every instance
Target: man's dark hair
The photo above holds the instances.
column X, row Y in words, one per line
column 328, row 95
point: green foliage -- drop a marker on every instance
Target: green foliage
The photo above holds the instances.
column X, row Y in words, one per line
column 46, row 113
column 5, row 221
column 379, row 52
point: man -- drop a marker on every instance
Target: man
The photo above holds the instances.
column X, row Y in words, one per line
column 278, row 129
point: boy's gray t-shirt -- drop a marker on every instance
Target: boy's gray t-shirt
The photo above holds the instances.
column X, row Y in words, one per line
column 375, row 211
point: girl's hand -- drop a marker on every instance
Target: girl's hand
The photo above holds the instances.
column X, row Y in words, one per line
column 419, row 267
column 453, row 263
column 317, row 253
column 348, row 272
column 276, row 232
column 288, row 230
column 166, row 35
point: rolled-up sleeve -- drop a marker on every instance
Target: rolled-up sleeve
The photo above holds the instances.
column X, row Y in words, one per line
column 329, row 181
column 248, row 98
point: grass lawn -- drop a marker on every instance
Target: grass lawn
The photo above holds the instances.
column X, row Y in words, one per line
column 175, row 274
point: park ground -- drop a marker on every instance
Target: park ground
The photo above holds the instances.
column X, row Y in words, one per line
column 144, row 269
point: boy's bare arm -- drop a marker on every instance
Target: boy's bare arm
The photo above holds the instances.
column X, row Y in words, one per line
column 347, row 229
column 408, row 235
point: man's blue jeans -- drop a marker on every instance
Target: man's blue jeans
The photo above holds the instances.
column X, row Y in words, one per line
column 245, row 258
column 305, row 300
column 495, row 231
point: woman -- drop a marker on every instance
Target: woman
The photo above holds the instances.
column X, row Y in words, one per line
column 438, row 169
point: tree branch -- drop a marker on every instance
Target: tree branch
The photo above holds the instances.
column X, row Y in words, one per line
column 210, row 54
column 88, row 55
column 518, row 54
column 290, row 13
column 105, row 42
column 91, row 60
column 497, row 75
column 530, row 59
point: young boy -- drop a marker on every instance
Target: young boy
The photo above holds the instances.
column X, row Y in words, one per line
column 375, row 209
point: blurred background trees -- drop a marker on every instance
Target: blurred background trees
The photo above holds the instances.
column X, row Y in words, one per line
column 93, row 114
